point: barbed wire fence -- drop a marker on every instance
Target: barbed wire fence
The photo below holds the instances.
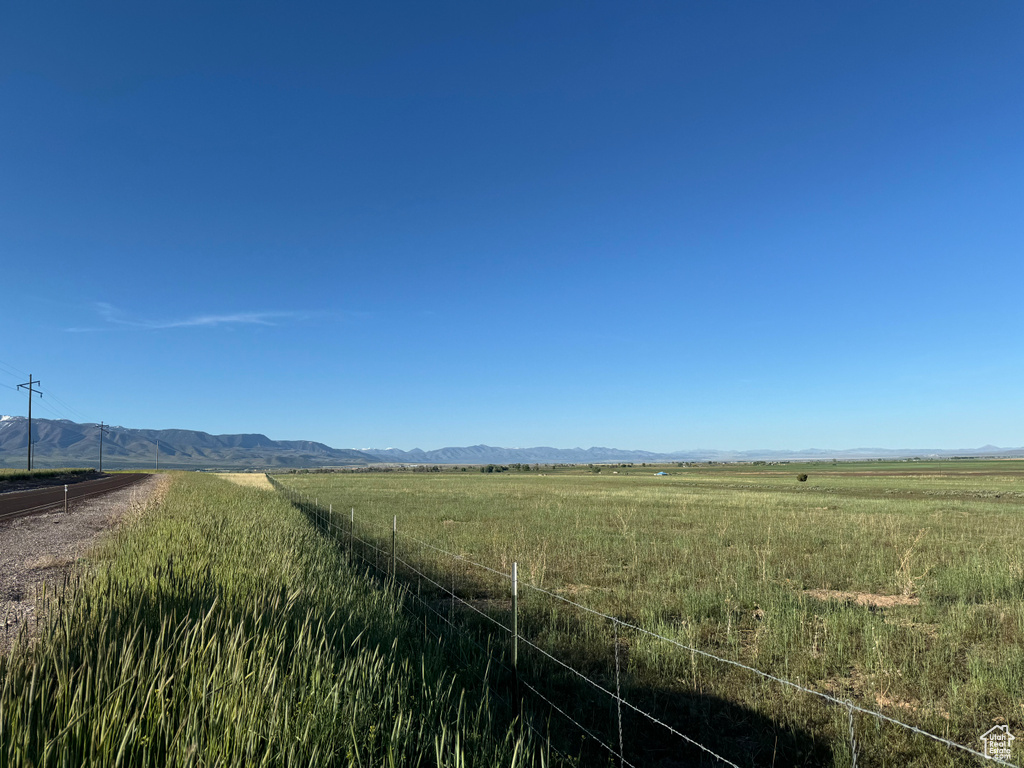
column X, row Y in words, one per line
column 474, row 596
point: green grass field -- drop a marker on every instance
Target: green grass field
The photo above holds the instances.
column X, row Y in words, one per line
column 219, row 628
column 898, row 586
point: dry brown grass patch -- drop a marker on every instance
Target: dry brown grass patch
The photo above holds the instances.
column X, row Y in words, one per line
column 581, row 590
column 46, row 562
column 248, row 479
column 863, row 598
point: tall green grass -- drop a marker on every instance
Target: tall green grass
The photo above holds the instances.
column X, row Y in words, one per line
column 218, row 627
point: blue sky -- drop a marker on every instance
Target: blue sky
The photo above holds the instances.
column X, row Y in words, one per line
column 645, row 225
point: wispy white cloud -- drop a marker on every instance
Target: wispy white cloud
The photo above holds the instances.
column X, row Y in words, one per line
column 241, row 318
column 114, row 316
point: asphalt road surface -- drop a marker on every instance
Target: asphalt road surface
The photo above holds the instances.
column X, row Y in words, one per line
column 19, row 503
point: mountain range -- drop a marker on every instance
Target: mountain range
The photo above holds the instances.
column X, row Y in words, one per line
column 60, row 443
column 485, row 454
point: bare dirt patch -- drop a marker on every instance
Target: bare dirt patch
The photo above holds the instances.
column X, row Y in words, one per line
column 41, row 551
column 868, row 688
column 579, row 591
column 248, row 479
column 863, row 598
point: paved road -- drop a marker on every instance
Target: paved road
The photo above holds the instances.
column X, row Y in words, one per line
column 19, row 503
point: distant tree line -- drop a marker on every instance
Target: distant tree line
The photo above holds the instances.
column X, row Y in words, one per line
column 491, row 468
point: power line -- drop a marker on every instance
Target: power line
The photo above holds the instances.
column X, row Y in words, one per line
column 103, row 431
column 73, row 410
column 61, row 410
column 11, row 370
column 60, row 413
column 29, row 386
column 54, row 411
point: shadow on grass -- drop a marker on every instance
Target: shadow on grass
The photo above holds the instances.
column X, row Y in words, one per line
column 476, row 623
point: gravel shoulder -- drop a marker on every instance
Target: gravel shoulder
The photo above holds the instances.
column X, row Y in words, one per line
column 44, row 549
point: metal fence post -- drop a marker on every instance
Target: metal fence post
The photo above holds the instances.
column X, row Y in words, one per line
column 853, row 738
column 515, row 617
column 618, row 694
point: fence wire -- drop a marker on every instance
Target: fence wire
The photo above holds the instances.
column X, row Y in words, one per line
column 572, row 720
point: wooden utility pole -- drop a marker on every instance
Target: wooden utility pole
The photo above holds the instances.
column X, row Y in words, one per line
column 103, row 431
column 28, row 385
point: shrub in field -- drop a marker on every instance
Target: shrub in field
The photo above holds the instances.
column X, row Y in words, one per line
column 802, row 478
